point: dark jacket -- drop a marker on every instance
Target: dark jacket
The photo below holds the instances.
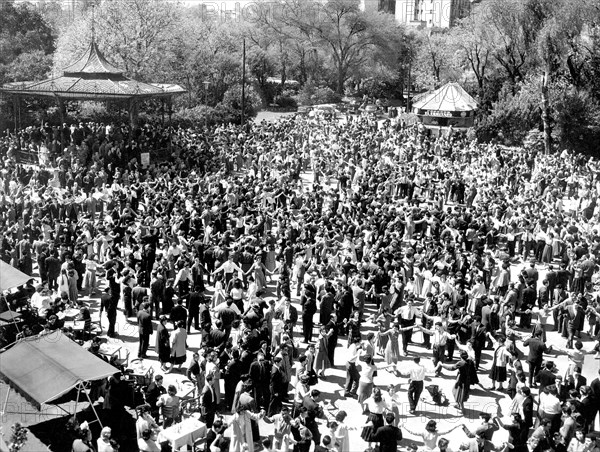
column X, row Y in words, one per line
column 388, row 437
column 144, row 323
column 537, row 348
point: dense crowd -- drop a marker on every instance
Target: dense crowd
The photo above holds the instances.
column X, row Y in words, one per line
column 398, row 230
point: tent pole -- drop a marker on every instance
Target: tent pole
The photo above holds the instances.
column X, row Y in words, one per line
column 79, row 388
column 93, row 409
column 5, row 401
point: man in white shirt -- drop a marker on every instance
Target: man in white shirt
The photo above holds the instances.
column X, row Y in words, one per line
column 416, row 375
column 406, row 314
column 439, row 337
column 229, row 268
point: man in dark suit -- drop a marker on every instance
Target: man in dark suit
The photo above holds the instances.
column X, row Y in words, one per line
column 195, row 299
column 308, row 300
column 527, row 405
column 53, row 270
column 278, row 387
column 532, row 273
column 562, row 390
column 208, row 401
column 313, row 411
column 326, row 307
column 575, row 320
column 289, row 313
column 576, row 381
column 144, row 329
column 260, row 372
column 529, row 295
column 138, row 296
column 157, row 293
column 179, row 313
column 588, row 408
column 546, row 377
column 153, row 393
column 388, row 436
column 478, row 338
column 217, row 337
column 537, row 348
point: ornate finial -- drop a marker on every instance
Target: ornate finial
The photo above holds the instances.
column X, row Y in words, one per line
column 93, row 22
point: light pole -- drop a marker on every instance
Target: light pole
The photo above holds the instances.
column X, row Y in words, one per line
column 206, row 85
column 243, row 79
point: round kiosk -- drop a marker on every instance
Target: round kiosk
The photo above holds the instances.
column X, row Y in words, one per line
column 448, row 106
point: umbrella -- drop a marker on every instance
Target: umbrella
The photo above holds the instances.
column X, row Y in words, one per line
column 11, row 277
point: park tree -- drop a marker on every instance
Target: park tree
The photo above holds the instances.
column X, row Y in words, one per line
column 347, row 39
column 26, row 43
column 434, row 59
column 472, row 41
column 135, row 34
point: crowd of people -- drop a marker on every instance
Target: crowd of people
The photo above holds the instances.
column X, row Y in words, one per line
column 398, row 232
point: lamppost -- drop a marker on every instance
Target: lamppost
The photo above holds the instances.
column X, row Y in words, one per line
column 243, row 81
column 206, row 85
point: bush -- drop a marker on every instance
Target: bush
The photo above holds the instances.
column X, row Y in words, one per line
column 516, row 112
column 576, row 121
column 232, row 102
column 198, row 116
column 286, row 102
column 311, row 94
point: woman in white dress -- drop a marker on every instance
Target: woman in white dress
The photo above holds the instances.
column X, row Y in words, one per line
column 242, row 439
column 212, row 368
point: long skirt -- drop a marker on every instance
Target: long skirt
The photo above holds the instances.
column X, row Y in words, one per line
column 547, row 254
column 365, row 388
column 368, row 433
column 461, row 393
column 322, row 359
column 498, row 373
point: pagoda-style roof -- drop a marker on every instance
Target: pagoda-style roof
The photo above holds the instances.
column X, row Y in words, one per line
column 449, row 98
column 92, row 77
column 92, row 62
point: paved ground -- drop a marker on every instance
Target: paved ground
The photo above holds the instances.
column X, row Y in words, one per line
column 42, row 424
column 481, row 399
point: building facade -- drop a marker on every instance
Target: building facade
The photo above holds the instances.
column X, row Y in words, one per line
column 431, row 13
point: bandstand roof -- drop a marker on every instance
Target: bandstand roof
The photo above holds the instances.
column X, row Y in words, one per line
column 449, row 98
column 92, row 77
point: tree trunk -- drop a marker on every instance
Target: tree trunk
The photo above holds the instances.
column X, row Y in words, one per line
column 546, row 114
column 340, row 80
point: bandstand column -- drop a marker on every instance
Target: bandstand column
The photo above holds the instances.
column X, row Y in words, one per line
column 133, row 112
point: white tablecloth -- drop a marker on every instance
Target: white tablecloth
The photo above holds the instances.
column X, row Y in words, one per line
column 182, row 434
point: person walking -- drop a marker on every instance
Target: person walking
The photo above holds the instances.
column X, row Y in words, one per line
column 352, row 375
column 144, row 330
column 308, row 301
column 208, row 402
column 537, row 348
column 163, row 345
column 178, row 344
